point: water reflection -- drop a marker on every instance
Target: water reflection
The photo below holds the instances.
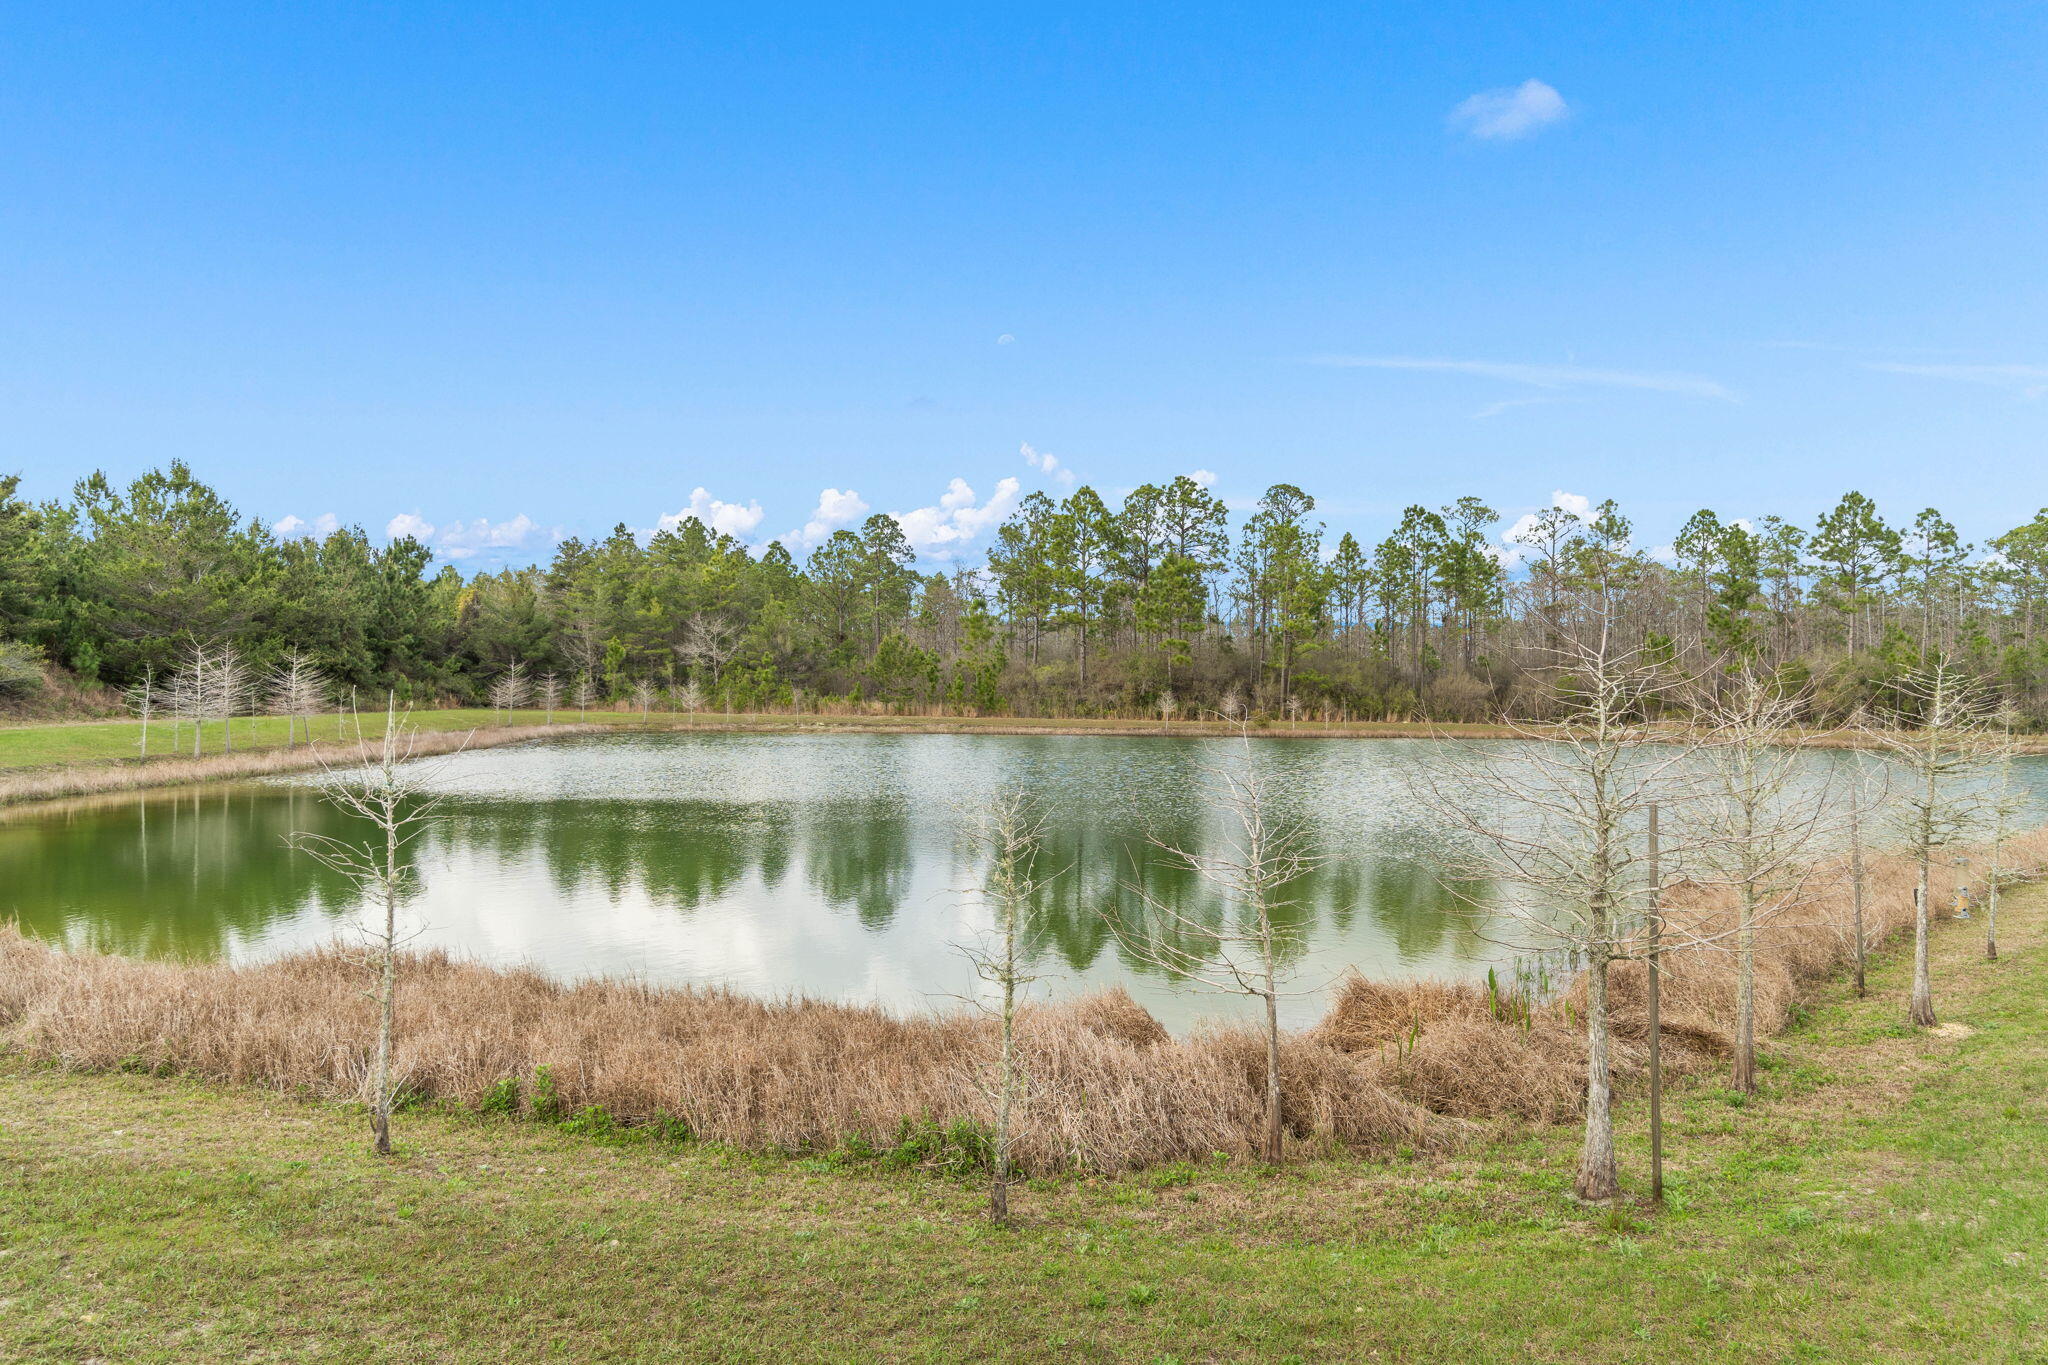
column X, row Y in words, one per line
column 830, row 864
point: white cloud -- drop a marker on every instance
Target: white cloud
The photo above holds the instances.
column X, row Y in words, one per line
column 464, row 540
column 409, row 524
column 1205, row 477
column 1510, row 112
column 836, row 508
column 2029, row 381
column 1511, row 551
column 729, row 518
column 1540, row 376
column 1047, row 464
column 319, row 528
column 943, row 530
column 1005, row 339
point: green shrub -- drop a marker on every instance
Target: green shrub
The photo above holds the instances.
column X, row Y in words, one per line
column 501, row 1098
column 544, row 1097
column 961, row 1147
column 592, row 1120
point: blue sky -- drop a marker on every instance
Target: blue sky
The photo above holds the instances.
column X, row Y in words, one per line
column 513, row 272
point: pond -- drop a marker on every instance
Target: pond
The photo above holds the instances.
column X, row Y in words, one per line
column 834, row 865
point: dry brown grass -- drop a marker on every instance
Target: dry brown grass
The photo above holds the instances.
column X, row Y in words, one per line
column 1442, row 1046
column 95, row 779
column 1106, row 1092
column 1109, row 1090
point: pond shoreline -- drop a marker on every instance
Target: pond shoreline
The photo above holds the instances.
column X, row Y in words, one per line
column 40, row 789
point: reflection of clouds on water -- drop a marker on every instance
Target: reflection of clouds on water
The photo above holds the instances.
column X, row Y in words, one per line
column 827, row 864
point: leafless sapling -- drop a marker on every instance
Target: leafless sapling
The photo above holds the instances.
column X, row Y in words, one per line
column 1760, row 817
column 298, row 689
column 1009, row 832
column 394, row 793
column 144, row 698
column 690, row 698
column 510, row 691
column 232, row 689
column 1558, row 816
column 550, row 690
column 1253, row 947
column 1942, row 736
column 2004, row 802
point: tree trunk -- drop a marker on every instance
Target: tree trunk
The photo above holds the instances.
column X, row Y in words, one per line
column 1598, row 1176
column 1923, row 989
column 1654, row 960
column 999, row 1186
column 1744, row 1075
column 387, row 985
column 1991, row 911
column 1861, row 953
column 380, row 1104
column 1272, row 1070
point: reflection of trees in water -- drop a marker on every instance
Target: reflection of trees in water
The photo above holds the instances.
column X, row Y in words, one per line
column 177, row 874
column 682, row 854
column 857, row 856
column 186, row 874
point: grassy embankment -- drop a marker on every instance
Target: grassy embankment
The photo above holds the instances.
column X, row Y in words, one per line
column 22, row 783
column 1883, row 1198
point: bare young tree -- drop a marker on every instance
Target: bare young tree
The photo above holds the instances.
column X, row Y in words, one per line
column 708, row 641
column 1864, row 793
column 550, row 689
column 690, row 697
column 298, row 690
column 233, row 687
column 1760, row 817
column 144, row 699
column 1942, row 737
column 1168, row 704
column 2004, row 803
column 1010, row 833
column 1559, row 816
column 510, row 691
column 394, row 794
column 202, row 689
column 585, row 694
column 1252, row 948
column 643, row 696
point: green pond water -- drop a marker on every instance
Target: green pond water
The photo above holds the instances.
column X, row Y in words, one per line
column 827, row 864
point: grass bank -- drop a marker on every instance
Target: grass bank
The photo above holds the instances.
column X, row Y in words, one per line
column 28, row 784
column 1883, row 1198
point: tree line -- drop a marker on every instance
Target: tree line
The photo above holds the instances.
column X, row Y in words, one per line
column 1081, row 606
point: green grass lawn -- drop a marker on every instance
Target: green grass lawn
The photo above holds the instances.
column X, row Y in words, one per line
column 1886, row 1198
